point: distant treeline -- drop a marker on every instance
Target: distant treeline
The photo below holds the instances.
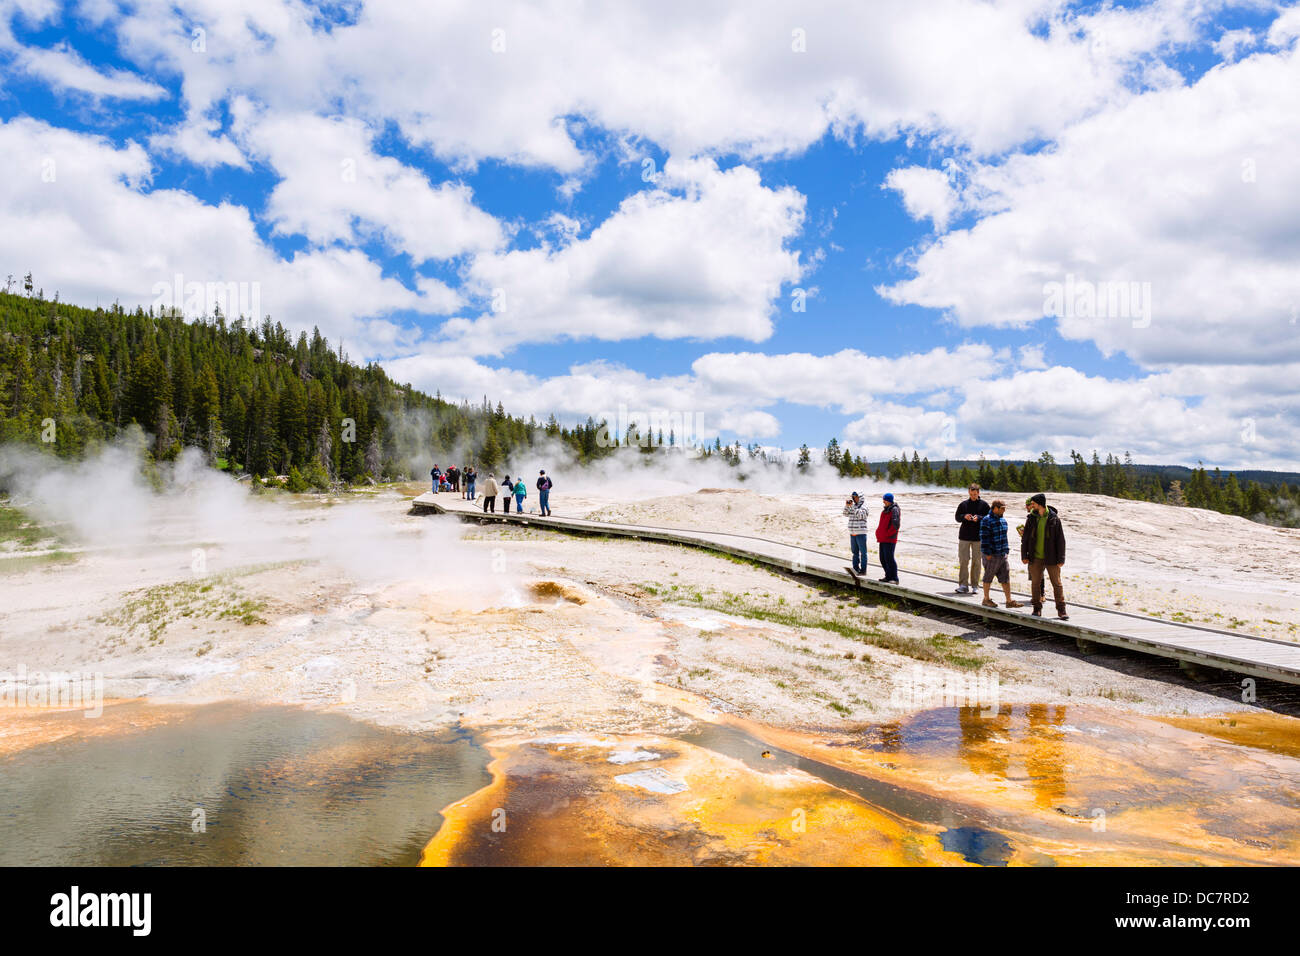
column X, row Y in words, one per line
column 247, row 394
column 1272, row 502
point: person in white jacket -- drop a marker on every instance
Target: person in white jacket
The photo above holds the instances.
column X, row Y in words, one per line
column 490, row 492
column 856, row 511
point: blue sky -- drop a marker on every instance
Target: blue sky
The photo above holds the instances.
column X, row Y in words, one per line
column 396, row 173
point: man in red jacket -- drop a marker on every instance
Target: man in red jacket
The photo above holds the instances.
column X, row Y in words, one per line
column 891, row 520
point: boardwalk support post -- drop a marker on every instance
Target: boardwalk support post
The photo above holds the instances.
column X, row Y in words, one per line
column 1196, row 672
column 1087, row 648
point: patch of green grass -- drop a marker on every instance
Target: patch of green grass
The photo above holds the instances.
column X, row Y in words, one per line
column 247, row 611
column 848, row 622
column 146, row 613
column 20, row 528
column 26, row 563
column 1110, row 693
column 957, row 653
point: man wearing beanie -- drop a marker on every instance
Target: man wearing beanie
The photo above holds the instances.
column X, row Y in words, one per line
column 887, row 537
column 1042, row 548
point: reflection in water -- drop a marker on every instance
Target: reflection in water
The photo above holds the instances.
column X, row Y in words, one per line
column 272, row 785
column 990, row 742
column 1045, row 758
column 890, row 738
column 980, row 737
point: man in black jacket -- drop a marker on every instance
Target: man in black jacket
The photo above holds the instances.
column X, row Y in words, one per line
column 1042, row 547
column 969, row 514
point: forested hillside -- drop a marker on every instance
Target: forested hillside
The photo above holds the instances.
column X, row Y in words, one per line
column 249, row 395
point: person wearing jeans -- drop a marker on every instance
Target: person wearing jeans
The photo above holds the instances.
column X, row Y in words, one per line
column 544, row 492
column 856, row 512
column 887, row 537
column 471, row 476
column 521, row 492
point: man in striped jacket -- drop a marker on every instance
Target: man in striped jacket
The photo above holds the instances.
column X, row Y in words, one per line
column 857, row 515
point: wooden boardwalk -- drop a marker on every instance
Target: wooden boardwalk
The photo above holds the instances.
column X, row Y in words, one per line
column 1190, row 644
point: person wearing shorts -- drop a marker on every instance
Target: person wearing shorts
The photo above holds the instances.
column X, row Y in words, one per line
column 994, row 549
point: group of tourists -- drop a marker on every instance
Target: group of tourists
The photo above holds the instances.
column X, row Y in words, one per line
column 455, row 478
column 982, row 539
column 507, row 488
column 982, row 542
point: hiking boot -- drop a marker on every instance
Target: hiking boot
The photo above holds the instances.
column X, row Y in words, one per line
column 1062, row 616
column 962, row 589
column 1038, row 612
column 987, row 603
column 1014, row 604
